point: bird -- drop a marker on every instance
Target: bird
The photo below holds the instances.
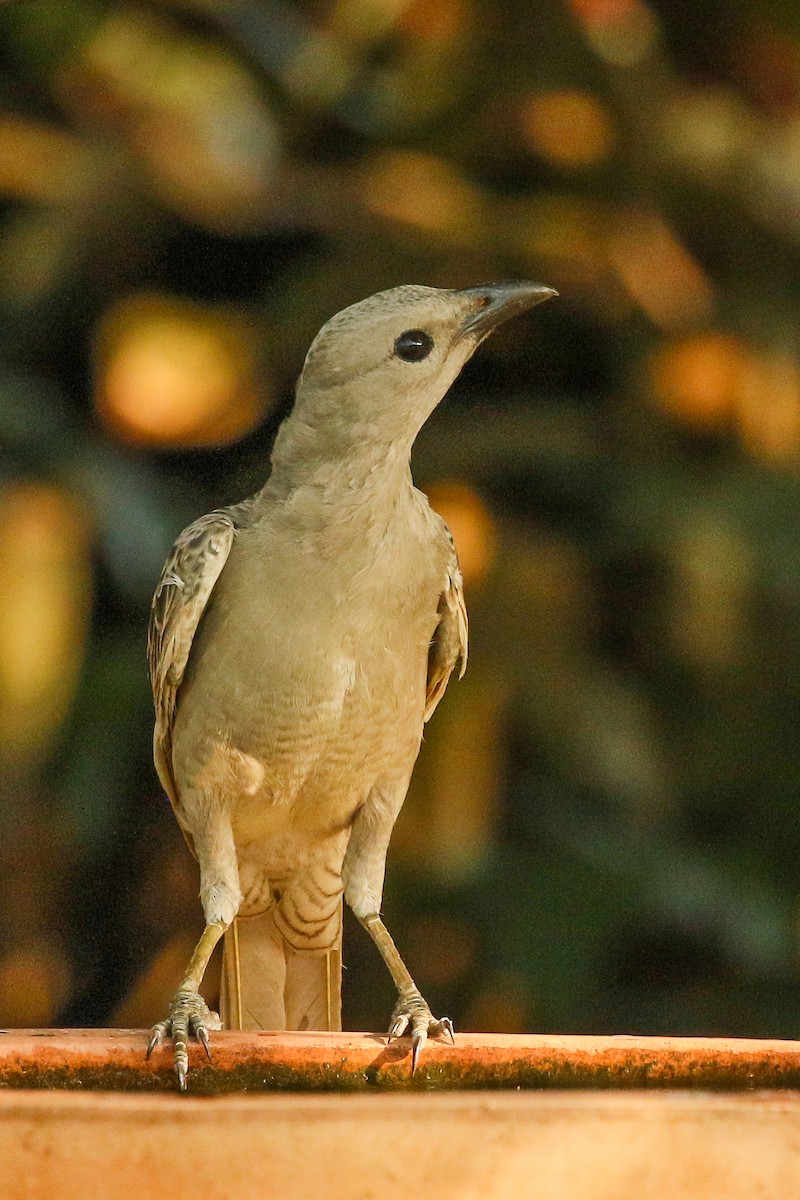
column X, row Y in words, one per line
column 298, row 642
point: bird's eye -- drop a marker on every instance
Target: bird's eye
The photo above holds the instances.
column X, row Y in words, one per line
column 413, row 345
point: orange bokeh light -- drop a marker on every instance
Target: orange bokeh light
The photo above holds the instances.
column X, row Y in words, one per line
column 768, row 409
column 657, row 271
column 44, row 613
column 568, row 128
column 424, row 192
column 471, row 525
column 715, row 381
column 699, row 379
column 173, row 373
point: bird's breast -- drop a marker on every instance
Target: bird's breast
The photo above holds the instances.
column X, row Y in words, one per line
column 314, row 670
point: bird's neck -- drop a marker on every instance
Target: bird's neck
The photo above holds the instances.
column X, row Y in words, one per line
column 349, row 464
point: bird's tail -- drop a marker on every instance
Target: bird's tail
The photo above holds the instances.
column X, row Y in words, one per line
column 269, row 984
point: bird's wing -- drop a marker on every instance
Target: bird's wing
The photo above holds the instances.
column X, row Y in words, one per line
column 192, row 568
column 449, row 642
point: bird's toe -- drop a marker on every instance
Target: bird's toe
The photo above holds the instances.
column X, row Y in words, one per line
column 189, row 1017
column 412, row 1014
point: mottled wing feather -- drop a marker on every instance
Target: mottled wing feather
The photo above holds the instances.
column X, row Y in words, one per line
column 449, row 642
column 192, row 568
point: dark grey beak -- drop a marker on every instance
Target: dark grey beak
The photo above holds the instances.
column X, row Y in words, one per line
column 496, row 302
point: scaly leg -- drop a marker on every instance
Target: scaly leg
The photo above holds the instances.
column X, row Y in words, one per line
column 410, row 1009
column 189, row 1015
column 362, row 873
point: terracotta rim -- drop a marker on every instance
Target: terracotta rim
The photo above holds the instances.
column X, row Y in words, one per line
column 114, row 1060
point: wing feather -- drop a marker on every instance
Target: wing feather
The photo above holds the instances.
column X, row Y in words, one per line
column 192, row 569
column 450, row 639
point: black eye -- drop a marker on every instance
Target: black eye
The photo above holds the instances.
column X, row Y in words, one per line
column 413, row 345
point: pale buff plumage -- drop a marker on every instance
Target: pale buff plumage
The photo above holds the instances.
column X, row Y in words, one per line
column 298, row 642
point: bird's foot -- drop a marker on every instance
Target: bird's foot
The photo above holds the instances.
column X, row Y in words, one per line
column 411, row 1012
column 189, row 1016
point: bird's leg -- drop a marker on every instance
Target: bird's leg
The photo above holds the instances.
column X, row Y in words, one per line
column 220, row 896
column 411, row 1010
column 189, row 1015
column 362, row 874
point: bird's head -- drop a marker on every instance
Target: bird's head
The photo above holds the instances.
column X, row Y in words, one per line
column 381, row 366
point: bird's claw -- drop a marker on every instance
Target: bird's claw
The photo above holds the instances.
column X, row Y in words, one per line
column 156, row 1037
column 189, row 1016
column 447, row 1030
column 412, row 1012
column 202, row 1037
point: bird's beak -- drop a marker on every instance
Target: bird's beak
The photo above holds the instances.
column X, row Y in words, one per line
column 494, row 303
